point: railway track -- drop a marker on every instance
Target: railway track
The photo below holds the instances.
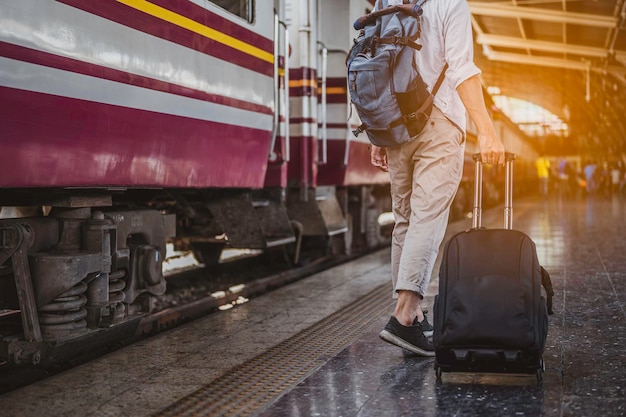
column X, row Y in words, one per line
column 193, row 293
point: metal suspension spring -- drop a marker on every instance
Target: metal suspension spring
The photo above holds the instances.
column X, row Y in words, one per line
column 64, row 317
column 116, row 294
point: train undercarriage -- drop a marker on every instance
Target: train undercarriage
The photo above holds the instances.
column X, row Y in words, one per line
column 79, row 271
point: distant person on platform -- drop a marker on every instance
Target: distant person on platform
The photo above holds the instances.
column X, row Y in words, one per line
column 590, row 177
column 543, row 172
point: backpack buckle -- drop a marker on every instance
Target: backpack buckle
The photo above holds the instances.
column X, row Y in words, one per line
column 400, row 40
column 415, row 116
column 356, row 132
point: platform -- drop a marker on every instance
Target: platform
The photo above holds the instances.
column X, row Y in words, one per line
column 312, row 348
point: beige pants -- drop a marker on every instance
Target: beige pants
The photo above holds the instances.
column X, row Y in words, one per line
column 425, row 175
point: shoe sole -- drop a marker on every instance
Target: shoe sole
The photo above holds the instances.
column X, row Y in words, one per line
column 395, row 340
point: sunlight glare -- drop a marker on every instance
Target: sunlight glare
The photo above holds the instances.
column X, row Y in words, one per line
column 532, row 119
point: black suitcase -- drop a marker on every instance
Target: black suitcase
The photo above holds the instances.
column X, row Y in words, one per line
column 490, row 314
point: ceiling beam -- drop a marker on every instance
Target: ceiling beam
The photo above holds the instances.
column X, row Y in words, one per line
column 618, row 74
column 538, row 14
column 537, row 60
column 617, row 71
column 620, row 56
column 556, row 47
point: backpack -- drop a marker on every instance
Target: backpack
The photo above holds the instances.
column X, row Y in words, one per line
column 388, row 93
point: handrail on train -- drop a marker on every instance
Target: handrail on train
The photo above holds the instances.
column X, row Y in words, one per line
column 276, row 122
column 324, row 113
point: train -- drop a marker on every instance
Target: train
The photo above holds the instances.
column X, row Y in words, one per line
column 131, row 126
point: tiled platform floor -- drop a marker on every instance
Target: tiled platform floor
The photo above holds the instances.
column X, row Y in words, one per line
column 581, row 243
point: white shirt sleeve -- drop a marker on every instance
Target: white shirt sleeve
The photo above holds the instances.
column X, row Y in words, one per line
column 459, row 46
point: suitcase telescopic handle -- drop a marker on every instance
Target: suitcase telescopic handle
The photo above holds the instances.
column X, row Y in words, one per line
column 477, row 211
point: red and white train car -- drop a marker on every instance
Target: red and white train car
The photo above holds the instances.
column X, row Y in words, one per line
column 132, row 123
column 135, row 93
column 128, row 124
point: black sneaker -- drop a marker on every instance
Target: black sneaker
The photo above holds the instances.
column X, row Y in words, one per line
column 427, row 328
column 410, row 338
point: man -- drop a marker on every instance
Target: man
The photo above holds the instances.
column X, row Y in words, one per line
column 425, row 173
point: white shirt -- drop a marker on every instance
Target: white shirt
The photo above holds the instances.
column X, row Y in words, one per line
column 446, row 37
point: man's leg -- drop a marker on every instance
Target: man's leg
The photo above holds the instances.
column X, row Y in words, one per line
column 425, row 175
column 436, row 185
column 437, row 171
column 408, row 308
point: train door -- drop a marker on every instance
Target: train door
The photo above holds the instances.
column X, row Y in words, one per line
column 361, row 189
column 314, row 209
column 333, row 134
column 256, row 218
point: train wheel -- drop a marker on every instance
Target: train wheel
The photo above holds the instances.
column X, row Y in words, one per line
column 207, row 253
column 541, row 370
column 372, row 228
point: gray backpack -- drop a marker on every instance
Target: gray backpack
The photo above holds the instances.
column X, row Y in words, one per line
column 384, row 83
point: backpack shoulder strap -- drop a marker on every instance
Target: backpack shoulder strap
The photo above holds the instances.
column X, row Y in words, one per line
column 547, row 285
column 380, row 10
column 440, row 79
column 404, row 41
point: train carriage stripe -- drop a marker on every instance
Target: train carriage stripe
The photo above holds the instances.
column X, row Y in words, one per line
column 336, row 90
column 128, row 147
column 253, row 56
column 201, row 15
column 24, row 54
column 184, row 22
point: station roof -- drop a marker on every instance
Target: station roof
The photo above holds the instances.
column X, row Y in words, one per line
column 568, row 56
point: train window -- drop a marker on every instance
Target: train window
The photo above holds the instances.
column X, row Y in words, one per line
column 241, row 8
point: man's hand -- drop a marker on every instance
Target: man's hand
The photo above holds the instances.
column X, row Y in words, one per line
column 378, row 157
column 491, row 149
